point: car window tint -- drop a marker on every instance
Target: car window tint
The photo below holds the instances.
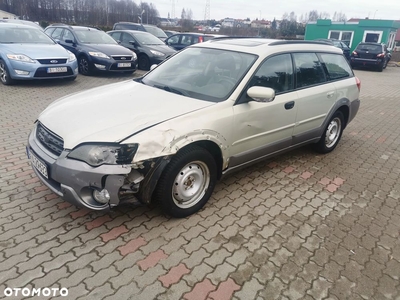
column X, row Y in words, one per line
column 369, row 47
column 68, row 35
column 276, row 73
column 57, row 33
column 309, row 70
column 186, row 40
column 173, row 40
column 116, row 36
column 126, row 38
column 336, row 66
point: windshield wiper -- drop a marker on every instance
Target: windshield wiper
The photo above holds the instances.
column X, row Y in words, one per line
column 170, row 89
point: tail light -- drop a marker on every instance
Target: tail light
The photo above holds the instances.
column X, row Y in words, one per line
column 355, row 53
column 200, row 39
column 358, row 82
column 381, row 55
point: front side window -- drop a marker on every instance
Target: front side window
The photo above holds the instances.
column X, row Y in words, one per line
column 201, row 73
column 336, row 66
column 57, row 33
column 173, row 40
column 276, row 73
column 309, row 70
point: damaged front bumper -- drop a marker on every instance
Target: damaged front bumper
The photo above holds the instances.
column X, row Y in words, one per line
column 76, row 181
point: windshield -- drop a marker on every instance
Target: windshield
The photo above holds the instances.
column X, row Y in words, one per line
column 156, row 31
column 145, row 38
column 94, row 37
column 23, row 35
column 201, row 73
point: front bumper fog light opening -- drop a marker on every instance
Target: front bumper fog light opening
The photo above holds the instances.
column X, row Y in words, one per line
column 101, row 67
column 21, row 72
column 102, row 196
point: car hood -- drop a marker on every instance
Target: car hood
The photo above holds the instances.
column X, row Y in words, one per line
column 36, row 51
column 113, row 112
column 162, row 48
column 109, row 49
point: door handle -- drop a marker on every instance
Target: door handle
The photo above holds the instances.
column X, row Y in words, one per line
column 330, row 94
column 289, row 105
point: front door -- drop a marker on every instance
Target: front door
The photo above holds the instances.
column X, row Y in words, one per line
column 263, row 128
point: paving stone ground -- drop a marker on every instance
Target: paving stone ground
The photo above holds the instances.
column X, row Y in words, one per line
column 299, row 226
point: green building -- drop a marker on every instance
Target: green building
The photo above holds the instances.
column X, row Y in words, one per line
column 353, row 32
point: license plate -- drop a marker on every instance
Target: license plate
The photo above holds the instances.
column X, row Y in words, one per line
column 41, row 167
column 124, row 65
column 57, row 70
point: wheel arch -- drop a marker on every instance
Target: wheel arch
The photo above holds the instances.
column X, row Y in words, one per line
column 346, row 113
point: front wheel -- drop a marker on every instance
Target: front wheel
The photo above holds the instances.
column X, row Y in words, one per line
column 187, row 182
column 5, row 74
column 332, row 134
column 84, row 66
column 144, row 62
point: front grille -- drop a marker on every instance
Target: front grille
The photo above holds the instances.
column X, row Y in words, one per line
column 52, row 61
column 126, row 58
column 49, row 140
column 42, row 72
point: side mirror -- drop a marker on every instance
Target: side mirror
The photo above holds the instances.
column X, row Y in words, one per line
column 133, row 43
column 69, row 41
column 261, row 94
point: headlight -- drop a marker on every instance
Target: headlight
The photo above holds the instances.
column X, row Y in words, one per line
column 20, row 57
column 71, row 57
column 157, row 53
column 109, row 154
column 99, row 54
column 134, row 56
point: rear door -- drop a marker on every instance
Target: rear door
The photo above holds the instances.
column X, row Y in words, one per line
column 316, row 96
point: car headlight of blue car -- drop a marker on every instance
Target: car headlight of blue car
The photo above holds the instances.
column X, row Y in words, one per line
column 20, row 57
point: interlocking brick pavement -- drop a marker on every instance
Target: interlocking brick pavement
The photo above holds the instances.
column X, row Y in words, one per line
column 298, row 226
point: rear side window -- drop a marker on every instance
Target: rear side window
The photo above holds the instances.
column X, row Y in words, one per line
column 309, row 70
column 336, row 65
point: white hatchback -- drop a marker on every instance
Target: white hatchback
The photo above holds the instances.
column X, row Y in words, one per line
column 203, row 113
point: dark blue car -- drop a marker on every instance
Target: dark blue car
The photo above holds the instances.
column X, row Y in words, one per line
column 94, row 49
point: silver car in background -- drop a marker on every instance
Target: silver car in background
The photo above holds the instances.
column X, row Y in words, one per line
column 27, row 53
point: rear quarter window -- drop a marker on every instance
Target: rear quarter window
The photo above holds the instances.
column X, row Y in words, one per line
column 336, row 65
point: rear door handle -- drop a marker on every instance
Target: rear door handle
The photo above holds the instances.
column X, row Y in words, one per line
column 289, row 105
column 330, row 94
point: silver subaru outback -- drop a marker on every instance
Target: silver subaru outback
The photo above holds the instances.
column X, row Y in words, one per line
column 203, row 113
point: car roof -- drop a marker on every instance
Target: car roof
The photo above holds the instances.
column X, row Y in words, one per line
column 131, row 31
column 21, row 23
column 260, row 46
column 73, row 27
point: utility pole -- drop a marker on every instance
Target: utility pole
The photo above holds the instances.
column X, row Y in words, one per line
column 207, row 11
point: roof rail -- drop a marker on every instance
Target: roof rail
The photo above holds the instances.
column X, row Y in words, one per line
column 288, row 42
column 227, row 37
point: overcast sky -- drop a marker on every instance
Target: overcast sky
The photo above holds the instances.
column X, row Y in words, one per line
column 268, row 9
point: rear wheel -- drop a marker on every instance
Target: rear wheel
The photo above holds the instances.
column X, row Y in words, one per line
column 385, row 64
column 5, row 74
column 84, row 66
column 144, row 62
column 332, row 134
column 187, row 182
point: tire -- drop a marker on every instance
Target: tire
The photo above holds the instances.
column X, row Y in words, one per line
column 187, row 182
column 5, row 74
column 385, row 64
column 84, row 66
column 144, row 62
column 332, row 134
column 381, row 67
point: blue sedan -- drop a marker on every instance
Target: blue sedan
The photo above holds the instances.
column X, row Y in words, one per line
column 28, row 53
